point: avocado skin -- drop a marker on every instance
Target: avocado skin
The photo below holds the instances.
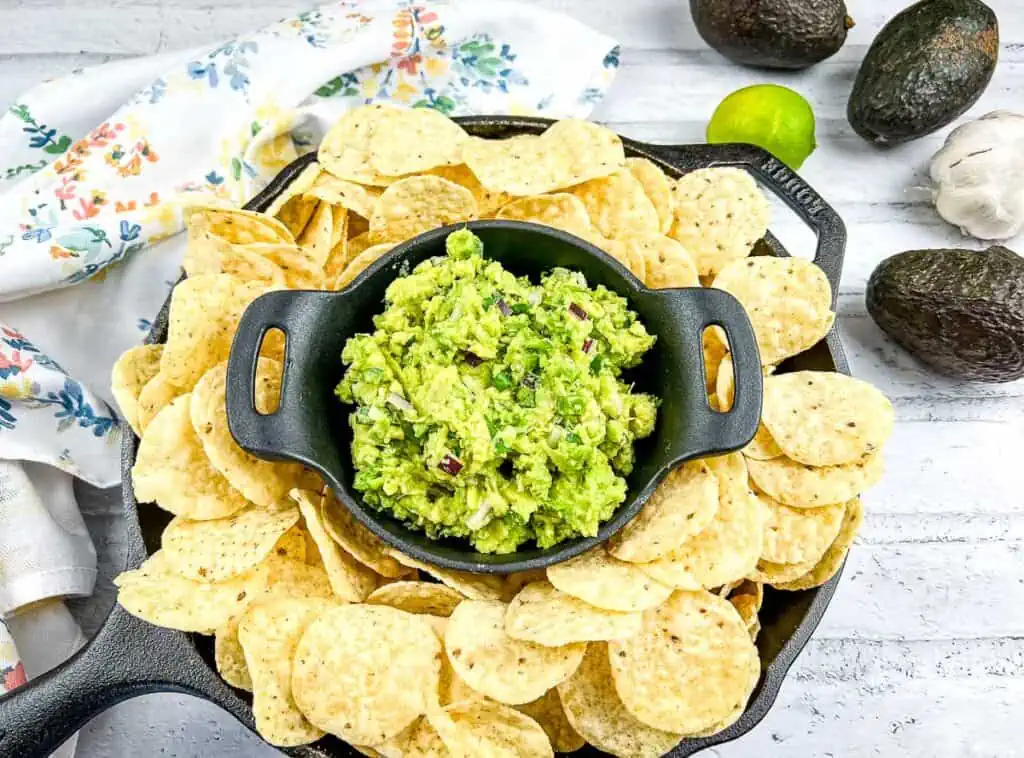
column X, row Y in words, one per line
column 926, row 67
column 781, row 34
column 959, row 311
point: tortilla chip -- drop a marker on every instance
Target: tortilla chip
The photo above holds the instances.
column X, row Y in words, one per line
column 355, row 197
column 205, row 311
column 156, row 593
column 682, row 506
column 559, row 210
column 155, row 395
column 358, row 541
column 297, row 186
column 172, row 470
column 801, row 486
column 832, row 560
column 658, row 188
column 729, row 547
column 133, row 371
column 824, row 418
column 763, row 447
column 606, row 582
column 261, row 481
column 720, row 213
column 215, row 550
column 618, row 207
column 595, row 711
column 418, row 204
column 669, row 265
column 417, row 597
column 351, row 580
column 568, row 153
column 235, row 225
column 698, row 685
column 487, row 202
column 798, row 535
column 548, row 712
column 507, row 670
column 345, row 149
column 318, row 237
column 482, row 727
column 544, row 615
column 789, row 302
column 269, row 632
column 366, row 672
column 414, row 140
column 473, row 586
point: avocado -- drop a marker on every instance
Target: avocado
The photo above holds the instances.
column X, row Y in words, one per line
column 959, row 311
column 786, row 34
column 926, row 67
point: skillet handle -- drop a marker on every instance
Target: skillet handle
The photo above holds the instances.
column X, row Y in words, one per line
column 282, row 435
column 781, row 180
column 127, row 658
column 706, row 431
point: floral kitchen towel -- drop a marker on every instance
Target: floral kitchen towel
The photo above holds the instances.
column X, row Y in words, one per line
column 95, row 167
column 12, row 671
column 48, row 417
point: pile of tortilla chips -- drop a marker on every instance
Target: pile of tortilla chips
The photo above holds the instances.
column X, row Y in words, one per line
column 630, row 647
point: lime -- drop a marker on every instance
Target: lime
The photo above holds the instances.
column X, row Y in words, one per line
column 769, row 116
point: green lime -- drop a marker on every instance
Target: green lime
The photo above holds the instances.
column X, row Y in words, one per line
column 773, row 117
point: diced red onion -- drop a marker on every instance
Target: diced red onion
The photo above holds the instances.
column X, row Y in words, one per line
column 473, row 359
column 534, row 297
column 450, row 465
column 503, row 307
column 587, row 345
column 577, row 312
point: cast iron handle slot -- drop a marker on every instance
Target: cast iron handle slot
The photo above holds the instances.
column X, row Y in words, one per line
column 708, row 431
column 269, row 435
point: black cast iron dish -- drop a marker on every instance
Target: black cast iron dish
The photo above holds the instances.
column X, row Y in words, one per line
column 311, row 425
column 129, row 657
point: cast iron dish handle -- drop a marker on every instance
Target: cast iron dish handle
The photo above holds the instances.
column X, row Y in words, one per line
column 37, row 720
column 707, row 431
column 267, row 435
column 127, row 657
column 782, row 181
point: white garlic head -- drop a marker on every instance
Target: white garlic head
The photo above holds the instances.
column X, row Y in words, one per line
column 979, row 176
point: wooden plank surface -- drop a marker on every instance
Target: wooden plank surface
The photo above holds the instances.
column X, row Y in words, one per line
column 922, row 651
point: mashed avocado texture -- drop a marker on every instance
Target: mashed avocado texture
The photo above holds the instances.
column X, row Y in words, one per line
column 490, row 408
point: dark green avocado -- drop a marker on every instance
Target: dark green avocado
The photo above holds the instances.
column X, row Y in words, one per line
column 926, row 67
column 787, row 34
column 959, row 311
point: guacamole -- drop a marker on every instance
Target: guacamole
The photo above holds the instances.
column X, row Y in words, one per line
column 492, row 409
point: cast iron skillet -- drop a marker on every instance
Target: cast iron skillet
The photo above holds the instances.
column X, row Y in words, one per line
column 129, row 657
column 311, row 425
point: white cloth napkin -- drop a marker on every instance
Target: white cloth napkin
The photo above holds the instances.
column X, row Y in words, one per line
column 45, row 550
column 45, row 555
column 94, row 168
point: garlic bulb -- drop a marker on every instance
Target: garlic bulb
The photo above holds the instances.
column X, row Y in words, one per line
column 979, row 176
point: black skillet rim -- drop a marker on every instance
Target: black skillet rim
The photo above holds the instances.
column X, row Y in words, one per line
column 128, row 657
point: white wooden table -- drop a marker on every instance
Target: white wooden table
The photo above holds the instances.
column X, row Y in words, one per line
column 922, row 651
